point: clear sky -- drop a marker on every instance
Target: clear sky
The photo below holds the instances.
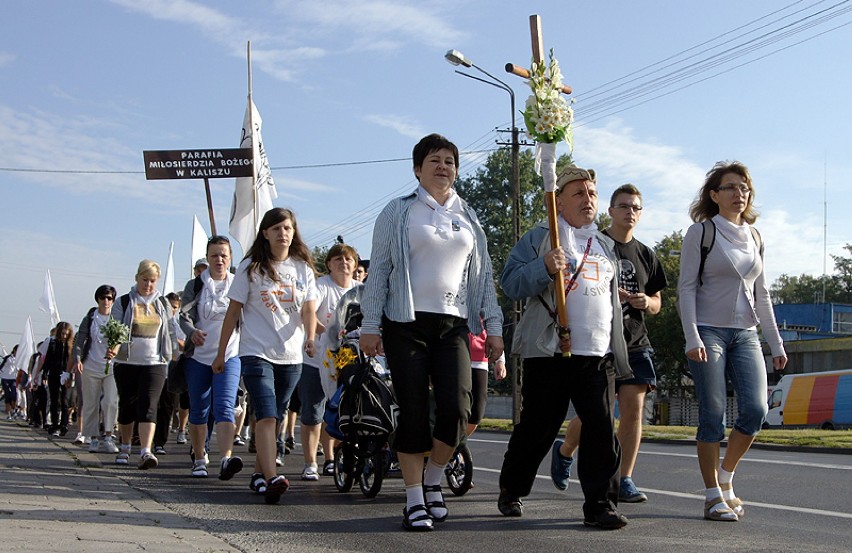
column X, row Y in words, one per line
column 663, row 90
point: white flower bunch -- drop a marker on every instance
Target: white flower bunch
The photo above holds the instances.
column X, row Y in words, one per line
column 548, row 115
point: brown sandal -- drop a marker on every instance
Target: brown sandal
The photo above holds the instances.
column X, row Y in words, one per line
column 736, row 504
column 712, row 511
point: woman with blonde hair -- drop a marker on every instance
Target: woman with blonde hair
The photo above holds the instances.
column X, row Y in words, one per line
column 723, row 296
column 273, row 295
column 140, row 365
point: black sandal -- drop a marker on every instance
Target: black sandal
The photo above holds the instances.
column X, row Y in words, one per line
column 410, row 522
column 257, row 483
column 439, row 504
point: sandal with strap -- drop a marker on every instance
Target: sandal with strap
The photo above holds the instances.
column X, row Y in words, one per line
column 717, row 509
column 736, row 504
column 419, row 523
column 258, row 483
column 435, row 504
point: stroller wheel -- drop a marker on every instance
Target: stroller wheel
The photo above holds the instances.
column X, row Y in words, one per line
column 343, row 476
column 373, row 473
column 459, row 470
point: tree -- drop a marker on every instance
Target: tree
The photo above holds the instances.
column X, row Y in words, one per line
column 319, row 253
column 489, row 192
column 809, row 289
column 664, row 328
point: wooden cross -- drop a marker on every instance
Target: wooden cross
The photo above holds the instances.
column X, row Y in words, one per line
column 549, row 197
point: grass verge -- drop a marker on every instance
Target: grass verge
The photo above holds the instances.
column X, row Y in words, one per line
column 801, row 438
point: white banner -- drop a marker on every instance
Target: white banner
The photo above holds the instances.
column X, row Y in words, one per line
column 47, row 303
column 199, row 244
column 252, row 197
column 169, row 276
column 26, row 346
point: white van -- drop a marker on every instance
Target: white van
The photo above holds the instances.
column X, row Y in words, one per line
column 815, row 400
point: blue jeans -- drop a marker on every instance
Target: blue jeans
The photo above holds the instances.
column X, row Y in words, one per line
column 732, row 354
column 207, row 389
column 269, row 385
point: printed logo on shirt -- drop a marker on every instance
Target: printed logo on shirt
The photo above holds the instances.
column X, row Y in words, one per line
column 593, row 278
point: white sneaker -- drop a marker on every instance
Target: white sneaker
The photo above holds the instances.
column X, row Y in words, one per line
column 80, row 439
column 181, row 437
column 123, row 458
column 94, row 446
column 109, row 445
column 310, row 473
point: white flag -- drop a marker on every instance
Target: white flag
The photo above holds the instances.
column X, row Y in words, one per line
column 26, row 347
column 169, row 277
column 248, row 208
column 199, row 244
column 47, row 303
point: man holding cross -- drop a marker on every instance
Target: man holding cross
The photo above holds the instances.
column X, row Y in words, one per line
column 560, row 368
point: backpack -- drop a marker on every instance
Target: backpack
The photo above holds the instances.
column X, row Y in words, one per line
column 331, row 417
column 125, row 301
column 367, row 406
column 708, row 238
column 5, row 359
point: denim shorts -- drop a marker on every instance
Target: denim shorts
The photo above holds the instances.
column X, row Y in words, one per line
column 206, row 390
column 269, row 385
column 732, row 354
column 311, row 396
column 643, row 370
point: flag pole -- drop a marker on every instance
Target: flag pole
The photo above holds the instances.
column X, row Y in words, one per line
column 253, row 145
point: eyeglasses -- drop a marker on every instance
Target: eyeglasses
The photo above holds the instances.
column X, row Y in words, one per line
column 744, row 188
column 107, row 298
column 626, row 207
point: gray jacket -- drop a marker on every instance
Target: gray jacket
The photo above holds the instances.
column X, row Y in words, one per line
column 525, row 277
column 166, row 339
column 716, row 300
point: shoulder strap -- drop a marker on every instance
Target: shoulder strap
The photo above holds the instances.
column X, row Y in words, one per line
column 708, row 238
column 197, row 284
column 5, row 359
column 757, row 240
column 125, row 301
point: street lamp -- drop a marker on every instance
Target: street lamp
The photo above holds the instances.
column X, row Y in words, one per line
column 457, row 58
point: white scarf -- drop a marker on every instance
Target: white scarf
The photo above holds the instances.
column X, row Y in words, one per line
column 214, row 303
column 442, row 215
column 738, row 235
column 568, row 236
column 144, row 300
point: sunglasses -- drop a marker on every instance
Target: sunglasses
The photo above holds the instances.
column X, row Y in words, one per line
column 107, row 298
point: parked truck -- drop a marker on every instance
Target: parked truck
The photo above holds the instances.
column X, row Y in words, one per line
column 812, row 400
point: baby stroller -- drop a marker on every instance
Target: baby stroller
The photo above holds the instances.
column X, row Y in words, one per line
column 362, row 412
column 366, row 455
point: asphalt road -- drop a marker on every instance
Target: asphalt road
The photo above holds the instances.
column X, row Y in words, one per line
column 797, row 502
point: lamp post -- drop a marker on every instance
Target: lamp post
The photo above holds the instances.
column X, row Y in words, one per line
column 457, row 58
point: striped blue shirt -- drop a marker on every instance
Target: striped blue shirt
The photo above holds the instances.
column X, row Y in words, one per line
column 388, row 288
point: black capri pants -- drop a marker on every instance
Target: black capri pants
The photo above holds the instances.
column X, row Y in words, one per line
column 139, row 388
column 434, row 349
column 479, row 390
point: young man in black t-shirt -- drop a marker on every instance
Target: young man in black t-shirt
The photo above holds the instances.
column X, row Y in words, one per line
column 641, row 280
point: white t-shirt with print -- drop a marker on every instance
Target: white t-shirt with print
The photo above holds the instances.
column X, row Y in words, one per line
column 328, row 295
column 589, row 302
column 272, row 311
column 212, row 305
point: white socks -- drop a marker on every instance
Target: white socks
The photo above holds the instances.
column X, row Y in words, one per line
column 712, row 493
column 726, row 483
column 432, row 475
column 413, row 496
